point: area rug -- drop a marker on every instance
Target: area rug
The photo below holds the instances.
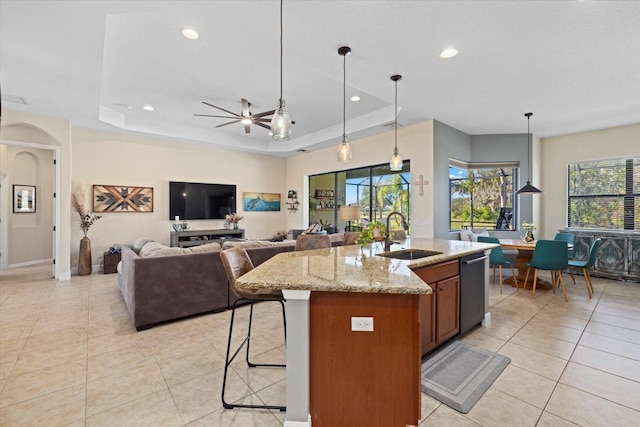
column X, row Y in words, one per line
column 459, row 374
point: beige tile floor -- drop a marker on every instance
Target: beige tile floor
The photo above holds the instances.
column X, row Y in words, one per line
column 69, row 356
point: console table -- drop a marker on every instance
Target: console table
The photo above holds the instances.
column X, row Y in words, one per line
column 188, row 238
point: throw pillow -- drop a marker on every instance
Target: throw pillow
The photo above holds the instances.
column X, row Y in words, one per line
column 465, row 235
column 474, row 236
column 139, row 243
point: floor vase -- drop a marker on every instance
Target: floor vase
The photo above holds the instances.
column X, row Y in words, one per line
column 84, row 258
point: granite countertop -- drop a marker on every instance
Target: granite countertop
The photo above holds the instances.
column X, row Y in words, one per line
column 352, row 269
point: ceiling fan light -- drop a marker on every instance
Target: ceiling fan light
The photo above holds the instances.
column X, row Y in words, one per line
column 396, row 161
column 246, row 120
column 344, row 150
column 281, row 122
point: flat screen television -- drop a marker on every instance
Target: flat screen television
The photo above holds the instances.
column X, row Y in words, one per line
column 191, row 200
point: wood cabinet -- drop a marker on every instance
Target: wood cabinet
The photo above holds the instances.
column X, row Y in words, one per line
column 440, row 311
column 364, row 379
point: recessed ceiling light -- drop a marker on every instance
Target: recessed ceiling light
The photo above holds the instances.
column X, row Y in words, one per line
column 148, row 107
column 189, row 33
column 448, row 53
column 355, row 98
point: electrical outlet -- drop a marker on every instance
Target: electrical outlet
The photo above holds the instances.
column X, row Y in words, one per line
column 362, row 324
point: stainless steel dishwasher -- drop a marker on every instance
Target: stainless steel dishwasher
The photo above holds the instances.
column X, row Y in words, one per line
column 471, row 290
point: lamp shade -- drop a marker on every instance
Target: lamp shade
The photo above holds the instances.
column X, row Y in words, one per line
column 349, row 213
column 281, row 122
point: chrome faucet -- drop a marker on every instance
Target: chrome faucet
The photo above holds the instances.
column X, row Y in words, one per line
column 387, row 240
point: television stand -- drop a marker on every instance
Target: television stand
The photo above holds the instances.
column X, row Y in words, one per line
column 188, row 238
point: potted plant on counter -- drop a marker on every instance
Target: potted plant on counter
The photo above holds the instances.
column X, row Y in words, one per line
column 371, row 232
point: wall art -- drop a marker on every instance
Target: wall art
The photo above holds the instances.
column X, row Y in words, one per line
column 24, row 198
column 120, row 198
column 261, row 202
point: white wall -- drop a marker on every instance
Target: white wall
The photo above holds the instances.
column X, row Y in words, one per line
column 110, row 158
column 414, row 142
column 558, row 152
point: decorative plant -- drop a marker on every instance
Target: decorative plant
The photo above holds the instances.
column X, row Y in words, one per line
column 86, row 218
column 233, row 218
column 370, row 232
column 529, row 227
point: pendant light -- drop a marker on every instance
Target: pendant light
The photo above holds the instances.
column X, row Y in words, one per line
column 344, row 149
column 396, row 161
column 281, row 122
column 528, row 189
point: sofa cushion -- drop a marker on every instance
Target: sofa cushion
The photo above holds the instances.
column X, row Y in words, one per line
column 139, row 243
column 155, row 249
column 250, row 244
column 465, row 235
column 209, row 247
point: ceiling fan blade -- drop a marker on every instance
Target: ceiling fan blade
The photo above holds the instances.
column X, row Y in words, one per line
column 247, row 128
column 262, row 125
column 266, row 113
column 245, row 108
column 228, row 123
column 262, row 120
column 220, row 117
column 226, row 111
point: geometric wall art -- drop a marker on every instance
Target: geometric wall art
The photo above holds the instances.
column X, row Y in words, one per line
column 120, row 198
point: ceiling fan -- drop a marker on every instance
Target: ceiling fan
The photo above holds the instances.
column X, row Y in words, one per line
column 246, row 118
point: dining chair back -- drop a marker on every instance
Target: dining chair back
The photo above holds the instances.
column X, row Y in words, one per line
column 588, row 263
column 350, row 238
column 570, row 238
column 312, row 241
column 497, row 259
column 236, row 262
column 551, row 255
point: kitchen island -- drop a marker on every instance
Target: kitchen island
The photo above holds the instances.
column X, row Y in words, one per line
column 337, row 374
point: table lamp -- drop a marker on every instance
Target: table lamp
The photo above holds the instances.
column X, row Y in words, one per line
column 349, row 213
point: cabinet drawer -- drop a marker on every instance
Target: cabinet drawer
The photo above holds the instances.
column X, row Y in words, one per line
column 437, row 272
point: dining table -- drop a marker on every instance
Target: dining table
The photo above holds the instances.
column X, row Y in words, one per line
column 525, row 254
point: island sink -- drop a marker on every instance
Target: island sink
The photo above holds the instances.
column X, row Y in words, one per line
column 409, row 254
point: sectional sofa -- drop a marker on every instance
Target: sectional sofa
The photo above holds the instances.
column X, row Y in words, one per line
column 160, row 283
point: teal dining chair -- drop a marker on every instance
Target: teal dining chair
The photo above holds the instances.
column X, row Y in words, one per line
column 496, row 259
column 588, row 263
column 551, row 255
column 570, row 238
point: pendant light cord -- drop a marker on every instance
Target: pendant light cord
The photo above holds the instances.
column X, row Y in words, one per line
column 396, row 120
column 529, row 146
column 344, row 97
column 281, row 47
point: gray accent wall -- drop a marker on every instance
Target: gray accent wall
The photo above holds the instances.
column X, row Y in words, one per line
column 450, row 143
column 447, row 143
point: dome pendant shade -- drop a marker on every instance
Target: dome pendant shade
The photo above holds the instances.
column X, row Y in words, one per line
column 281, row 122
column 528, row 188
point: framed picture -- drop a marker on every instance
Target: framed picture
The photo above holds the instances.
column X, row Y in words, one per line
column 24, row 198
column 261, row 202
column 120, row 198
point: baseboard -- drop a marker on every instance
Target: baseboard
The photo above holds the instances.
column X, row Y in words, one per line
column 486, row 322
column 28, row 263
column 307, row 423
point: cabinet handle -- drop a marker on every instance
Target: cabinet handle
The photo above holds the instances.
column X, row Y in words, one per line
column 440, row 289
column 475, row 260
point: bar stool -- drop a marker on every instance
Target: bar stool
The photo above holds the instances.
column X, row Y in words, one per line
column 236, row 262
column 312, row 241
column 350, row 238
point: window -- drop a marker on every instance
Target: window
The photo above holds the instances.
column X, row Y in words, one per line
column 481, row 195
column 604, row 194
column 375, row 189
